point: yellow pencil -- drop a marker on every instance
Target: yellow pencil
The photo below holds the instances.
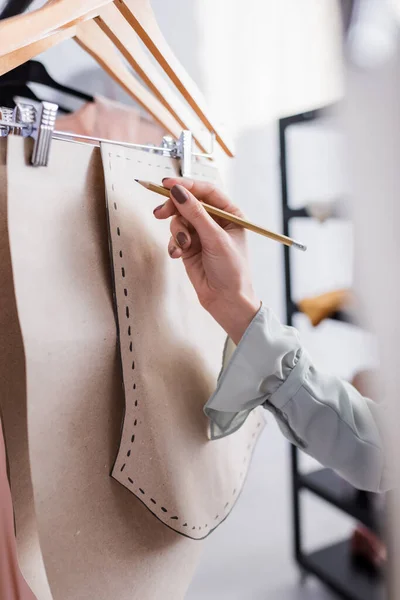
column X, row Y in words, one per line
column 278, row 237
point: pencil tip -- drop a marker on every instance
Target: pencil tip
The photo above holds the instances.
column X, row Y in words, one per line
column 137, row 180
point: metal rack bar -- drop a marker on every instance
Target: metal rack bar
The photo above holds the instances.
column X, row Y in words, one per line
column 37, row 120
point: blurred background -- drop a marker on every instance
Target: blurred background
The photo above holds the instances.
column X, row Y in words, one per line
column 274, row 72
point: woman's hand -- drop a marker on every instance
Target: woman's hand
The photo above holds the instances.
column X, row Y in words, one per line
column 213, row 251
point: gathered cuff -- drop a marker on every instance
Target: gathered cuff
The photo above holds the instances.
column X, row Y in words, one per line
column 260, row 366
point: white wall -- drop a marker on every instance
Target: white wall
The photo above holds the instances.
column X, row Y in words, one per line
column 258, row 65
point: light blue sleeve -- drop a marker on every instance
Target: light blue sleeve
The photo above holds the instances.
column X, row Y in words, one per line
column 321, row 414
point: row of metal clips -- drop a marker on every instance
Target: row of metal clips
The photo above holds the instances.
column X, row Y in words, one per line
column 38, row 121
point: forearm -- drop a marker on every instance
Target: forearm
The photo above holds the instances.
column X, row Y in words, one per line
column 235, row 314
column 323, row 415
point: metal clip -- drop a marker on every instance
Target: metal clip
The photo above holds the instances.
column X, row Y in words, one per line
column 28, row 120
column 19, row 120
column 184, row 148
column 181, row 149
column 43, row 133
column 168, row 145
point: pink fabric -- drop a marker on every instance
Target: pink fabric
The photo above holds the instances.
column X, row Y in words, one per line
column 111, row 120
column 12, row 585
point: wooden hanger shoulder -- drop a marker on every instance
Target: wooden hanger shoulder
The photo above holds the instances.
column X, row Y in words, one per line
column 18, row 57
column 55, row 15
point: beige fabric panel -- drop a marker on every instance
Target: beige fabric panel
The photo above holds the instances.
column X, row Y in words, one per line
column 98, row 540
column 14, row 414
column 172, row 353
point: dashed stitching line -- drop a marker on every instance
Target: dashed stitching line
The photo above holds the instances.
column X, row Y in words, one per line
column 127, row 312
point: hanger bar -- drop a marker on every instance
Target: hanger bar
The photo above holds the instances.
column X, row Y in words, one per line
column 140, row 16
column 68, row 136
column 38, row 122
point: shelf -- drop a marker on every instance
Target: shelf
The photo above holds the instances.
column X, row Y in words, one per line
column 303, row 213
column 332, row 488
column 340, row 315
column 336, row 568
column 294, row 213
column 299, row 118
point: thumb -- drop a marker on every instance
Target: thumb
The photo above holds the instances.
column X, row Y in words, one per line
column 192, row 210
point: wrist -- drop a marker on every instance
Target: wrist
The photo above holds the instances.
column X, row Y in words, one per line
column 236, row 315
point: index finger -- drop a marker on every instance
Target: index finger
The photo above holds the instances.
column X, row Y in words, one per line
column 205, row 191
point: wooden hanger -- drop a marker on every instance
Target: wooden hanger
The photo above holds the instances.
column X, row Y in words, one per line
column 34, row 71
column 90, row 37
column 57, row 16
column 54, row 16
column 18, row 57
column 140, row 16
column 119, row 31
column 96, row 43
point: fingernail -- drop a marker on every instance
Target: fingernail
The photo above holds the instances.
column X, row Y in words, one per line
column 172, row 250
column 182, row 239
column 165, row 179
column 179, row 193
column 157, row 208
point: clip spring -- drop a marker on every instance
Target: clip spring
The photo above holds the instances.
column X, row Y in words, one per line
column 38, row 121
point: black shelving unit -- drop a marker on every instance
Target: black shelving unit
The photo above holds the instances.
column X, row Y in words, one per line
column 333, row 565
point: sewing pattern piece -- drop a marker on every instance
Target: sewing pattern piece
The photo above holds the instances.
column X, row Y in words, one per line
column 171, row 352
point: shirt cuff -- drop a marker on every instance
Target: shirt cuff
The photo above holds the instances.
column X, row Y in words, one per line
column 260, row 364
